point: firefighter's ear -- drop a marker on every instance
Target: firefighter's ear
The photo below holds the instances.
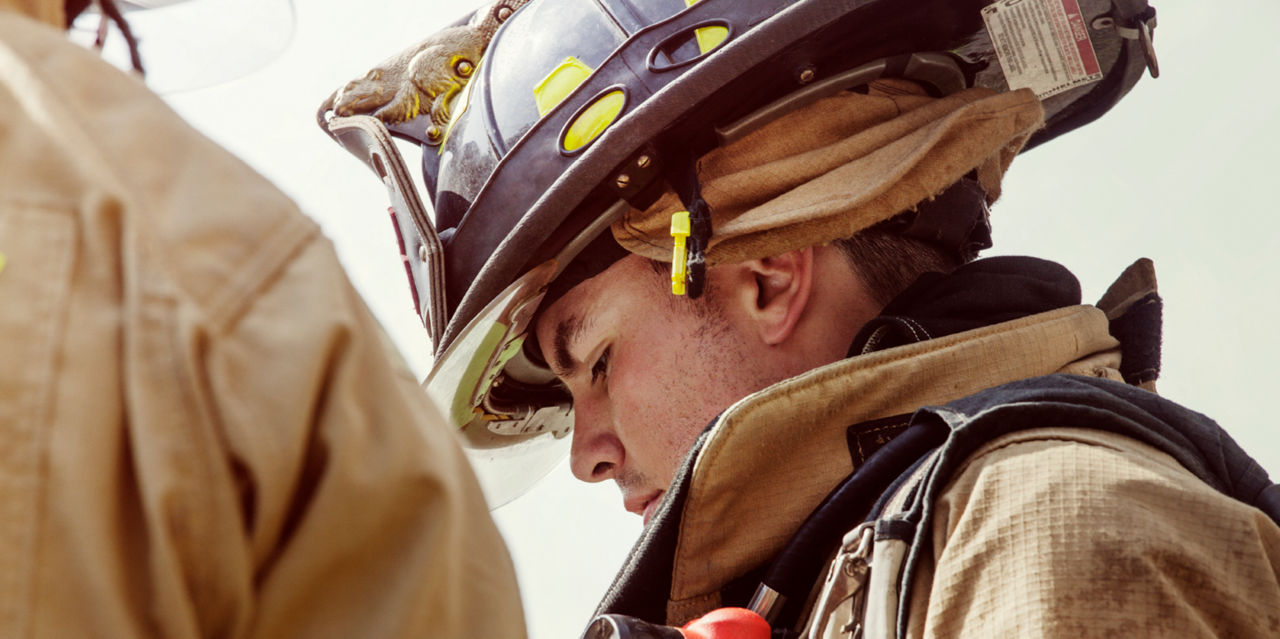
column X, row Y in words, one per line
column 782, row 285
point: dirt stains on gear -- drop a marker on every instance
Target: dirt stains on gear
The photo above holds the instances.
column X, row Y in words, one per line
column 424, row 77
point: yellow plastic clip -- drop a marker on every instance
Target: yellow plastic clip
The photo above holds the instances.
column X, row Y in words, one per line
column 680, row 254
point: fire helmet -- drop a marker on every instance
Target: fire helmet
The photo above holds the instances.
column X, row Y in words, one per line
column 560, row 115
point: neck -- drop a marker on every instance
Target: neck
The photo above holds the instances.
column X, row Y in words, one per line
column 839, row 306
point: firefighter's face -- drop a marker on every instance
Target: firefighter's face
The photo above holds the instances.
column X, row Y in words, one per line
column 649, row 370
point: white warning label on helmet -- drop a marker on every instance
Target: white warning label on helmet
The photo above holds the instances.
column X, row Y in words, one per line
column 1042, row 44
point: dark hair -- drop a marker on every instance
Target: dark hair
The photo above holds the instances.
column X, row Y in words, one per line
column 711, row 314
column 888, row 262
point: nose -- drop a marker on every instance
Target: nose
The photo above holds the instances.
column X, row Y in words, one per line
column 596, row 454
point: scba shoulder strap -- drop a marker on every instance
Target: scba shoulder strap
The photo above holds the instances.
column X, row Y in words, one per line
column 877, row 563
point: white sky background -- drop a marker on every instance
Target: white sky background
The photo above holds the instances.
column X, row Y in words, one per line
column 1183, row 171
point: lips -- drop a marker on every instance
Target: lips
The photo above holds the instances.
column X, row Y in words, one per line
column 644, row 505
column 651, row 508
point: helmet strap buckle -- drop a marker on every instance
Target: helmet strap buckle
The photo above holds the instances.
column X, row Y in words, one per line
column 682, row 175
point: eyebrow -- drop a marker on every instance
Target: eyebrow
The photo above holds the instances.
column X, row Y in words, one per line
column 567, row 331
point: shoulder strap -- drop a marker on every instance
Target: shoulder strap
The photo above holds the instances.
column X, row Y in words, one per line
column 1194, row 440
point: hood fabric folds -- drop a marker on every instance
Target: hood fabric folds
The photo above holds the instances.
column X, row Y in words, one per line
column 841, row 165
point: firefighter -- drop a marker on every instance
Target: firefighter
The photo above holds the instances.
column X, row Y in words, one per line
column 205, row 431
column 728, row 254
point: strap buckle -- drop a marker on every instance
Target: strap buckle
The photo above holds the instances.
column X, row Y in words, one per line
column 1141, row 29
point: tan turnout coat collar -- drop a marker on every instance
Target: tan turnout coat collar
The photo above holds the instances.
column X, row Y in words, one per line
column 790, row 439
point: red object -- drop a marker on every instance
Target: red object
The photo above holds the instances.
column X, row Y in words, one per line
column 727, row 623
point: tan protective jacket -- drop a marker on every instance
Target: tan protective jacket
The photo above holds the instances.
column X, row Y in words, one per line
column 1057, row 532
column 203, row 432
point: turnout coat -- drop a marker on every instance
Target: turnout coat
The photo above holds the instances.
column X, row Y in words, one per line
column 203, row 431
column 1057, row 528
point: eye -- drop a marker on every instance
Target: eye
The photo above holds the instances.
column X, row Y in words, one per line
column 601, row 367
column 463, row 67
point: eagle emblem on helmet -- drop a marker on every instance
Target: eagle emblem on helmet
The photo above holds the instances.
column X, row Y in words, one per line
column 423, row 78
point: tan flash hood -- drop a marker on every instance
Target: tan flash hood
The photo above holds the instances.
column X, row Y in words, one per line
column 840, row 165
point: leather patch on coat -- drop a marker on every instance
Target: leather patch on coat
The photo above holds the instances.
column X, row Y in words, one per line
column 865, row 438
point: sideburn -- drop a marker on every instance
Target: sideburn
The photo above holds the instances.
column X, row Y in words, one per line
column 705, row 308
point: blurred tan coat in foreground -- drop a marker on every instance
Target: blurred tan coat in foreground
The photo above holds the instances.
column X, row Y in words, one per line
column 202, row 430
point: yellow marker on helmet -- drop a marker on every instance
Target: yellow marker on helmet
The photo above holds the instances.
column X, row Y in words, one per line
column 708, row 37
column 558, row 84
column 680, row 255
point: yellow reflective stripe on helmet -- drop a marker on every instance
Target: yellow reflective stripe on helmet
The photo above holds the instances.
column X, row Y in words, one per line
column 708, row 37
column 558, row 84
column 593, row 120
column 711, row 37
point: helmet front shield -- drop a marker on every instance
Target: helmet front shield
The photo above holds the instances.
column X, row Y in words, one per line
column 514, row 423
